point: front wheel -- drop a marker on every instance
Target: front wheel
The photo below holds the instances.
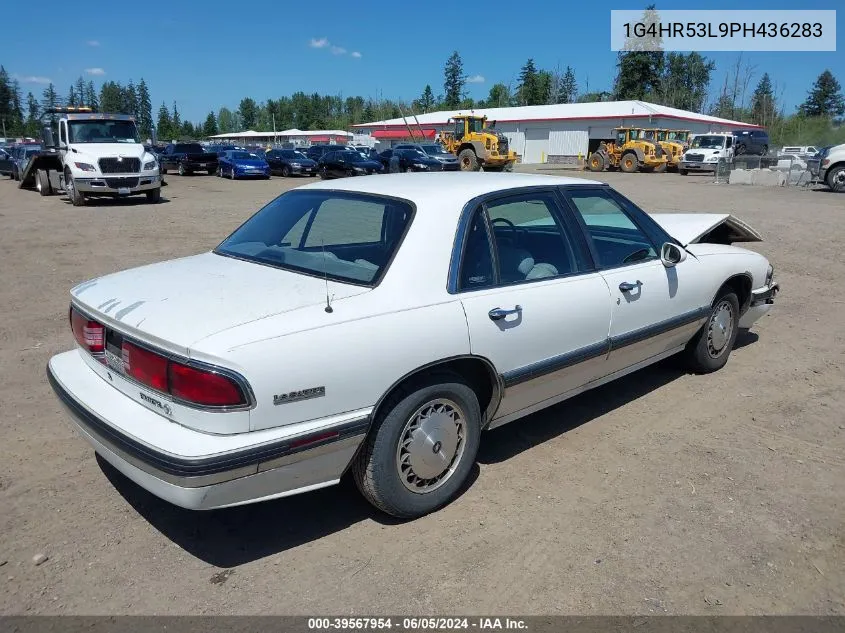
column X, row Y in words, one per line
column 659, row 169
column 323, row 173
column 286, row 172
column 683, row 172
column 182, row 171
column 77, row 198
column 629, row 163
column 421, row 447
column 468, row 160
column 232, row 173
column 596, row 162
column 219, row 171
column 710, row 348
column 154, row 195
column 836, row 178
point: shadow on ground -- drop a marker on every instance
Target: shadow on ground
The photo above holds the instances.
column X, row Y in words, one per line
column 231, row 537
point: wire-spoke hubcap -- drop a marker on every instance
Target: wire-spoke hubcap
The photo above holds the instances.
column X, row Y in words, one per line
column 720, row 329
column 431, row 445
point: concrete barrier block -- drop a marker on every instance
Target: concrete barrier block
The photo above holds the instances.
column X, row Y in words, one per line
column 768, row 178
column 740, row 177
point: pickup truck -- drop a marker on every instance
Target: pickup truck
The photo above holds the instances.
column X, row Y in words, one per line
column 187, row 158
column 832, row 167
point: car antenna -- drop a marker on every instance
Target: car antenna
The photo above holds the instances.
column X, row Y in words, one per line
column 328, row 307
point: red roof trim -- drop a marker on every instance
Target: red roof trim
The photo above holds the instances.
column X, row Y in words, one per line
column 402, row 133
column 584, row 118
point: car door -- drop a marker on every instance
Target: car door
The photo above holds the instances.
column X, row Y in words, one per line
column 655, row 309
column 534, row 306
column 167, row 158
column 272, row 158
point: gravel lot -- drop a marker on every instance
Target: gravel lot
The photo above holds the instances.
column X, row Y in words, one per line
column 660, row 493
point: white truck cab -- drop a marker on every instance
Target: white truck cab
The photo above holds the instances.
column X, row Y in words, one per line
column 705, row 150
column 94, row 155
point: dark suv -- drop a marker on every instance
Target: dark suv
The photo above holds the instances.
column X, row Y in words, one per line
column 751, row 142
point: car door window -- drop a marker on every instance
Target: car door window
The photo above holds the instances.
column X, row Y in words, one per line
column 615, row 238
column 477, row 262
column 341, row 221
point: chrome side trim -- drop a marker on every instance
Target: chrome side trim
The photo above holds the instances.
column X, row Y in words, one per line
column 194, row 472
column 555, row 363
column 650, row 331
column 183, row 360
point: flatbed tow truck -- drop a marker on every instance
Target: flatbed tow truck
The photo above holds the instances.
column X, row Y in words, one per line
column 88, row 154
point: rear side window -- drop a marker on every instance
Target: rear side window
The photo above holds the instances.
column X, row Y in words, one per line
column 347, row 237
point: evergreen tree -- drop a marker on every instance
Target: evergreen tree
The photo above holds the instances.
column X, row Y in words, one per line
column 225, row 121
column 763, row 106
column 825, row 97
column 71, row 97
column 81, row 92
column 639, row 65
column 454, row 81
column 165, row 124
column 175, row 122
column 33, row 112
column 426, row 100
column 91, row 99
column 248, row 112
column 49, row 98
column 569, row 87
column 210, row 126
column 145, row 110
column 130, row 99
column 529, row 90
column 111, row 97
column 498, row 97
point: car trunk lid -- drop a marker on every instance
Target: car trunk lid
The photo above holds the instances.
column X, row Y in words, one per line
column 693, row 228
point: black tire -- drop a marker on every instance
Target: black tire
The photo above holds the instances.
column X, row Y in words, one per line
column 42, row 182
column 211, row 172
column 376, row 469
column 77, row 198
column 629, row 163
column 182, row 170
column 659, row 169
column 596, row 162
column 740, row 149
column 154, row 195
column 285, row 171
column 15, row 175
column 219, row 171
column 709, row 350
column 835, row 178
column 232, row 173
column 683, row 172
column 468, row 160
column 323, row 173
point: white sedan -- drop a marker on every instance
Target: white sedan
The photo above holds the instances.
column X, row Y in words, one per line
column 378, row 325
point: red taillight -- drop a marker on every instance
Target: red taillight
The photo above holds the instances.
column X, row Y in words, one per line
column 89, row 334
column 203, row 387
column 145, row 366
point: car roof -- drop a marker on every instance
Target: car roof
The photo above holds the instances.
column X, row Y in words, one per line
column 455, row 187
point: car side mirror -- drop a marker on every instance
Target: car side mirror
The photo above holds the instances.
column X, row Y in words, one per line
column 671, row 254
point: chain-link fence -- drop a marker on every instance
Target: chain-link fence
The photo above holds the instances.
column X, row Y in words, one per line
column 783, row 170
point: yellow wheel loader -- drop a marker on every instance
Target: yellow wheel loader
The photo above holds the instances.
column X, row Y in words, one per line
column 476, row 145
column 672, row 142
column 630, row 152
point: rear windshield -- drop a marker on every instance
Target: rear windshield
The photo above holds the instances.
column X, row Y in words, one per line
column 188, row 148
column 347, row 237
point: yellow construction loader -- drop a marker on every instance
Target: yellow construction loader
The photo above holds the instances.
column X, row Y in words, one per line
column 672, row 142
column 630, row 152
column 476, row 145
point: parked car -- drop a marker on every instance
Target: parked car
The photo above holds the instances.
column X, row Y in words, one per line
column 18, row 157
column 802, row 151
column 410, row 160
column 219, row 149
column 187, row 159
column 240, row 164
column 378, row 326
column 346, row 163
column 370, row 153
column 448, row 161
column 315, row 152
column 751, row 142
column 290, row 162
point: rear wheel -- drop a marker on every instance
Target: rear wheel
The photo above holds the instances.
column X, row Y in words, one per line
column 421, row 447
column 710, row 348
column 323, row 173
column 182, row 171
column 629, row 163
column 468, row 160
column 596, row 162
column 154, row 195
column 232, row 173
column 286, row 171
column 659, row 169
column 683, row 172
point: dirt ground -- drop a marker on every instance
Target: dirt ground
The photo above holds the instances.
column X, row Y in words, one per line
column 660, row 493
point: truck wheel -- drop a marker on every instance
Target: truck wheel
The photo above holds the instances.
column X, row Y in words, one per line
column 42, row 182
column 154, row 195
column 508, row 167
column 421, row 447
column 77, row 198
column 683, row 172
column 629, row 163
column 659, row 169
column 182, row 171
column 836, row 178
column 596, row 162
column 468, row 160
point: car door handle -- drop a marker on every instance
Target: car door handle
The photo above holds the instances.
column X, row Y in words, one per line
column 627, row 286
column 497, row 314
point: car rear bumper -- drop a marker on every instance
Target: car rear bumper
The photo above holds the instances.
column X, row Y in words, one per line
column 104, row 185
column 762, row 301
column 280, row 463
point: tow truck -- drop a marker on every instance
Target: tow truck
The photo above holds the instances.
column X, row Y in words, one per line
column 87, row 154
